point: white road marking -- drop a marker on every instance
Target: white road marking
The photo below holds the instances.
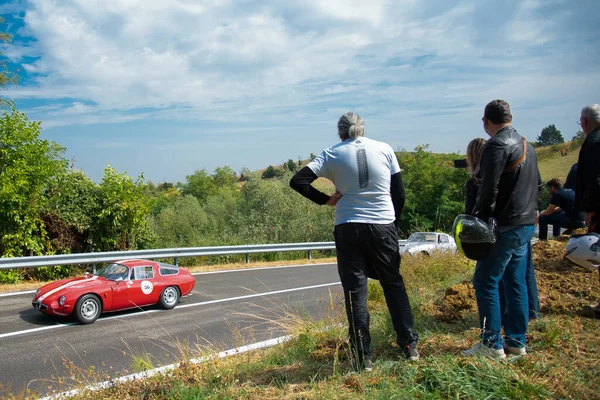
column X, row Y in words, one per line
column 26, row 331
column 17, row 293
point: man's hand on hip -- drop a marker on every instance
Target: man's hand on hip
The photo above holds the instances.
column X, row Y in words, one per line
column 334, row 198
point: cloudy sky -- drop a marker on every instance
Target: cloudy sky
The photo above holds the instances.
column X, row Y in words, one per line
column 165, row 88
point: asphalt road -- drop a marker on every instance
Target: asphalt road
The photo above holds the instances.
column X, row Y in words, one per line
column 226, row 309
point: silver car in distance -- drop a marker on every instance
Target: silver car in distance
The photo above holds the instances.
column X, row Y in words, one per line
column 427, row 243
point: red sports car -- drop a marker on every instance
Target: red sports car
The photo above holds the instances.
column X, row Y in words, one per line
column 118, row 286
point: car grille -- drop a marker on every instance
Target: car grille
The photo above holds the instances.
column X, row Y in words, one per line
column 39, row 305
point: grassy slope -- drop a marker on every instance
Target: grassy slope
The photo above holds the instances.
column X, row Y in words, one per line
column 552, row 165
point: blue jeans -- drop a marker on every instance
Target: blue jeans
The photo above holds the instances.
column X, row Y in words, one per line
column 557, row 220
column 507, row 264
column 532, row 289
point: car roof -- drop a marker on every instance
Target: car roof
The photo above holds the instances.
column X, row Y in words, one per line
column 135, row 263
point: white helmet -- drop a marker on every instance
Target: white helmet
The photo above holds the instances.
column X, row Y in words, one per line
column 584, row 250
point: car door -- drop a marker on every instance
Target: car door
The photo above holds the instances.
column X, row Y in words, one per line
column 142, row 289
column 118, row 290
column 445, row 243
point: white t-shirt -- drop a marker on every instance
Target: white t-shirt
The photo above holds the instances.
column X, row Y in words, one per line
column 361, row 170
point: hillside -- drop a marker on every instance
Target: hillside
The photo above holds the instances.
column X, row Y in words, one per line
column 553, row 165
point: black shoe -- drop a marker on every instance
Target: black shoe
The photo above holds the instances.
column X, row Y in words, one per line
column 411, row 353
column 368, row 367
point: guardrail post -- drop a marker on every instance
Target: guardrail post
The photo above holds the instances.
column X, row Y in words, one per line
column 310, row 255
column 247, row 258
column 176, row 262
column 94, row 269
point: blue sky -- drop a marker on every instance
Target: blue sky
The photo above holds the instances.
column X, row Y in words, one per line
column 165, row 88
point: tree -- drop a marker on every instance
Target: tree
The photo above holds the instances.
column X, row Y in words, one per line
column 224, row 177
column 312, row 156
column 28, row 166
column 69, row 215
column 550, row 135
column 199, row 184
column 290, row 165
column 120, row 221
column 271, row 172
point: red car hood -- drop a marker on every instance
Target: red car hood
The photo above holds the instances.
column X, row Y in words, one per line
column 55, row 288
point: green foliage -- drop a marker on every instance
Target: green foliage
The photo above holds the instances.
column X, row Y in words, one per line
column 28, row 166
column 199, row 184
column 550, row 135
column 224, row 177
column 181, row 224
column 271, row 172
column 73, row 201
column 290, row 165
column 435, row 191
column 120, row 222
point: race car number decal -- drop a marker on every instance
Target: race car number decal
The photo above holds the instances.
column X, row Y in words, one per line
column 147, row 287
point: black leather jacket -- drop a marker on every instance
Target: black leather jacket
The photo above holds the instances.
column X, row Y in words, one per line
column 509, row 196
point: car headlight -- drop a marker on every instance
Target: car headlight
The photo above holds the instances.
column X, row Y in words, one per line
column 37, row 292
column 61, row 300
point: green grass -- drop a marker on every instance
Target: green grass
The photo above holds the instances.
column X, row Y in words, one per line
column 553, row 165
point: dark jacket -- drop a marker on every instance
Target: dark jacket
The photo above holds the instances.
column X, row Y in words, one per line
column 509, row 196
column 571, row 177
column 587, row 182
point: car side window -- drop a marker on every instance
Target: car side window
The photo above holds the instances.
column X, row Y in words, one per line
column 145, row 272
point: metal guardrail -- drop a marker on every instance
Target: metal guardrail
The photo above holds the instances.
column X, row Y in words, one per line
column 101, row 257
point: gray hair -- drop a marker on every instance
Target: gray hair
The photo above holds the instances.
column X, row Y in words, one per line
column 591, row 112
column 351, row 125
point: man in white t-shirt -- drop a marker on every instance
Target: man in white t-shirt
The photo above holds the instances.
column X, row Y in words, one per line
column 369, row 199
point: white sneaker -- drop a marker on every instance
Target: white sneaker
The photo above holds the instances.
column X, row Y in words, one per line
column 481, row 349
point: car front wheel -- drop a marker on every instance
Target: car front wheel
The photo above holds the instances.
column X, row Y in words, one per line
column 169, row 297
column 87, row 309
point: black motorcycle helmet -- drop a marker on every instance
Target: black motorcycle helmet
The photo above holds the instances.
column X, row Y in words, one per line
column 474, row 237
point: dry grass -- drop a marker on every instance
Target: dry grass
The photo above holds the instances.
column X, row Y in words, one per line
column 556, row 166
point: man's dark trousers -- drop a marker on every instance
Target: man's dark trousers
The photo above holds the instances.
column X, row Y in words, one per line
column 371, row 250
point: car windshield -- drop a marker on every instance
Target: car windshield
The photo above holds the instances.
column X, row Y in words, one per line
column 114, row 272
column 422, row 237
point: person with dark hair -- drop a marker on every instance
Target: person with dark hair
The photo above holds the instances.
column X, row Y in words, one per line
column 369, row 200
column 561, row 212
column 508, row 193
column 473, row 158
